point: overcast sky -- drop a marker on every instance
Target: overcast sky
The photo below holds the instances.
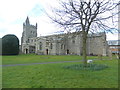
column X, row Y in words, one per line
column 14, row 12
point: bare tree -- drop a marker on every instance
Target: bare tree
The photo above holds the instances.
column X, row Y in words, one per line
column 85, row 16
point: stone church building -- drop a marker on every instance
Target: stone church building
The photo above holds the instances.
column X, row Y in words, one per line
column 61, row 44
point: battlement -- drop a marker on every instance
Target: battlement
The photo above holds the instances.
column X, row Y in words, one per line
column 33, row 26
column 27, row 23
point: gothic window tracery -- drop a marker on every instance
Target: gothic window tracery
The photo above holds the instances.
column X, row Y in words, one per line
column 40, row 45
column 62, row 46
column 51, row 46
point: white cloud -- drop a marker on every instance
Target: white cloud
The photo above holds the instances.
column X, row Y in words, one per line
column 14, row 12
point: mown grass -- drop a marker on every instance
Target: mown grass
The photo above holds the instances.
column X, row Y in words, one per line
column 55, row 75
column 31, row 58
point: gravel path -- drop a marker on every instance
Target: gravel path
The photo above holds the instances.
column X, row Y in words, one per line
column 8, row 65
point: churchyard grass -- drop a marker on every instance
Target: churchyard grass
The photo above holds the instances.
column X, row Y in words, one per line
column 54, row 75
column 32, row 58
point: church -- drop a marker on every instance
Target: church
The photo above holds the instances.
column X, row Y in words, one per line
column 61, row 44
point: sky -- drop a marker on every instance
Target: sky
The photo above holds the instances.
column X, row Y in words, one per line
column 13, row 14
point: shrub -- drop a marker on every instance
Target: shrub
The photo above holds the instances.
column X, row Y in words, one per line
column 10, row 45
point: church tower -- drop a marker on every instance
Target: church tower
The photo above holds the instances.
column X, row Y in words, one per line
column 29, row 31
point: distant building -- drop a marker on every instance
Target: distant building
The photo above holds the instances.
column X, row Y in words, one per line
column 114, row 46
column 61, row 44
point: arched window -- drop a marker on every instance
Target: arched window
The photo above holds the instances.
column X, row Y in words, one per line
column 62, row 46
column 51, row 46
column 40, row 45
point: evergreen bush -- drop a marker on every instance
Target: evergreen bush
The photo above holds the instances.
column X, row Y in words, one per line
column 10, row 45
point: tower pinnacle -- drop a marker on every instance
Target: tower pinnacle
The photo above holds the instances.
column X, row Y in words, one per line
column 27, row 20
column 36, row 25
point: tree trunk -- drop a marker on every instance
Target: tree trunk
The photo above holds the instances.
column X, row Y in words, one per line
column 84, row 49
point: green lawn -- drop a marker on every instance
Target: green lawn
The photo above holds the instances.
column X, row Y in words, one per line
column 54, row 75
column 31, row 58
